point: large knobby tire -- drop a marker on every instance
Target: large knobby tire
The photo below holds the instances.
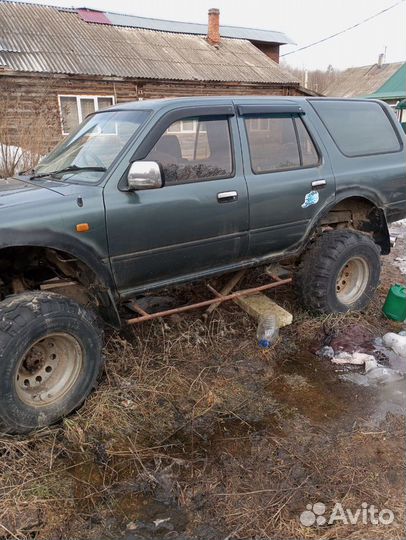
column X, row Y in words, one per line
column 50, row 357
column 339, row 272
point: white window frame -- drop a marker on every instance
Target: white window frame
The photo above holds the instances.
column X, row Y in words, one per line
column 261, row 124
column 182, row 129
column 186, row 122
column 79, row 108
column 181, row 124
column 400, row 113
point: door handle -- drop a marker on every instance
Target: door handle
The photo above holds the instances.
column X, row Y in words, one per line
column 227, row 196
column 318, row 184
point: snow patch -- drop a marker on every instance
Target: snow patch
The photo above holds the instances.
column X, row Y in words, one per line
column 400, row 262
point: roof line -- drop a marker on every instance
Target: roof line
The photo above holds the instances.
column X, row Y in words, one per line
column 60, row 8
column 383, row 89
column 183, row 22
column 153, row 19
column 372, row 65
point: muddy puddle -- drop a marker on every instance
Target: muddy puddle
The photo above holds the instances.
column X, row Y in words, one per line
column 151, row 518
column 340, row 396
column 387, row 382
column 305, row 390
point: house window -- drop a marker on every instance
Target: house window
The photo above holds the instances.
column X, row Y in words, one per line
column 184, row 126
column 74, row 109
column 260, row 124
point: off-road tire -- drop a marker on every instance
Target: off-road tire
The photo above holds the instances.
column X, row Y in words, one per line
column 322, row 264
column 34, row 319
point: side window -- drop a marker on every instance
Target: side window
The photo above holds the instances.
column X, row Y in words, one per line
column 359, row 128
column 272, row 142
column 309, row 153
column 194, row 149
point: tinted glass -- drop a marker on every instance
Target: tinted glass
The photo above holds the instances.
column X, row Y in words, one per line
column 272, row 142
column 194, row 149
column 358, row 128
column 309, row 152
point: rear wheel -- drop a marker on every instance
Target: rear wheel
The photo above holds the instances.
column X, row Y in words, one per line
column 50, row 357
column 339, row 272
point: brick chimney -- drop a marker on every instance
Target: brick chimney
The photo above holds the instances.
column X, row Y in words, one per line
column 270, row 49
column 213, row 29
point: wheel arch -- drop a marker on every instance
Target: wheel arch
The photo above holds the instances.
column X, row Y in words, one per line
column 360, row 210
column 67, row 257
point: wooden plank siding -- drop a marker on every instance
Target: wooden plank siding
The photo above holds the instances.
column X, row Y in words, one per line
column 27, row 100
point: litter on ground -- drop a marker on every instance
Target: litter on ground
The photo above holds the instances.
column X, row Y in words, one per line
column 392, row 347
column 396, row 342
column 356, row 358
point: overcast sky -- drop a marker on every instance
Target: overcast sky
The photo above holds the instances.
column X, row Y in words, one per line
column 305, row 21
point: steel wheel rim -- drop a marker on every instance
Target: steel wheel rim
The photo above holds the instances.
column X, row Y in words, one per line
column 49, row 369
column 352, row 280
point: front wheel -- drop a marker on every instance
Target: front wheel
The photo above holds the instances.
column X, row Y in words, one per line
column 50, row 357
column 339, row 272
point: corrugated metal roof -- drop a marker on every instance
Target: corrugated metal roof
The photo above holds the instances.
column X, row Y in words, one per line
column 394, row 87
column 93, row 16
column 45, row 39
column 362, row 81
column 251, row 34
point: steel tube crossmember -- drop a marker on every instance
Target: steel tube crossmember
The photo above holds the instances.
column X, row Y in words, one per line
column 219, row 299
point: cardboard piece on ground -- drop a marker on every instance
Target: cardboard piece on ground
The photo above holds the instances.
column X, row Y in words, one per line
column 259, row 304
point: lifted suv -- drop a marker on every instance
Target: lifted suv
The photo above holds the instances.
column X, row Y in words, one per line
column 155, row 193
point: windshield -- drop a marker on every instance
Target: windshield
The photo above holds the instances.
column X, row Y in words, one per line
column 95, row 144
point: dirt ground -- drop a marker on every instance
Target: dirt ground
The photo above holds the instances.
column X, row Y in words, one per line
column 196, row 433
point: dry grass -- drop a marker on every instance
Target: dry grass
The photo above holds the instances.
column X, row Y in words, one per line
column 287, row 473
column 192, row 422
column 155, row 404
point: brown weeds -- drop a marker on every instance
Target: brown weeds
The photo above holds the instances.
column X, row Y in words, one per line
column 193, row 424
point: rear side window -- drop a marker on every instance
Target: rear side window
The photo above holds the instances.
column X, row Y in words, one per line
column 195, row 149
column 310, row 157
column 279, row 143
column 273, row 143
column 359, row 128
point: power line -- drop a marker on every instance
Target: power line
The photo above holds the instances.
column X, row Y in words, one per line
column 346, row 29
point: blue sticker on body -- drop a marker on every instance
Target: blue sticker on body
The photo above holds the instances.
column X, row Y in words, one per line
column 311, row 198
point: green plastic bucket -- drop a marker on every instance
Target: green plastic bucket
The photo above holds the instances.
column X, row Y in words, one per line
column 395, row 303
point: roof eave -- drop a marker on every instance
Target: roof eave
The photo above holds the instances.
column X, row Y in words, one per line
column 389, row 95
column 142, row 79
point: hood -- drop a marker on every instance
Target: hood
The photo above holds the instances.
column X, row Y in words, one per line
column 20, row 191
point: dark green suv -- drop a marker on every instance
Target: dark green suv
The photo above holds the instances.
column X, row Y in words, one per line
column 150, row 194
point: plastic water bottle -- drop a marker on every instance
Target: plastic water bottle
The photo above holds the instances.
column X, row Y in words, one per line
column 268, row 331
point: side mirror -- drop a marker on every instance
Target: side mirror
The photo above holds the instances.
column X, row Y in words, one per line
column 144, row 175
